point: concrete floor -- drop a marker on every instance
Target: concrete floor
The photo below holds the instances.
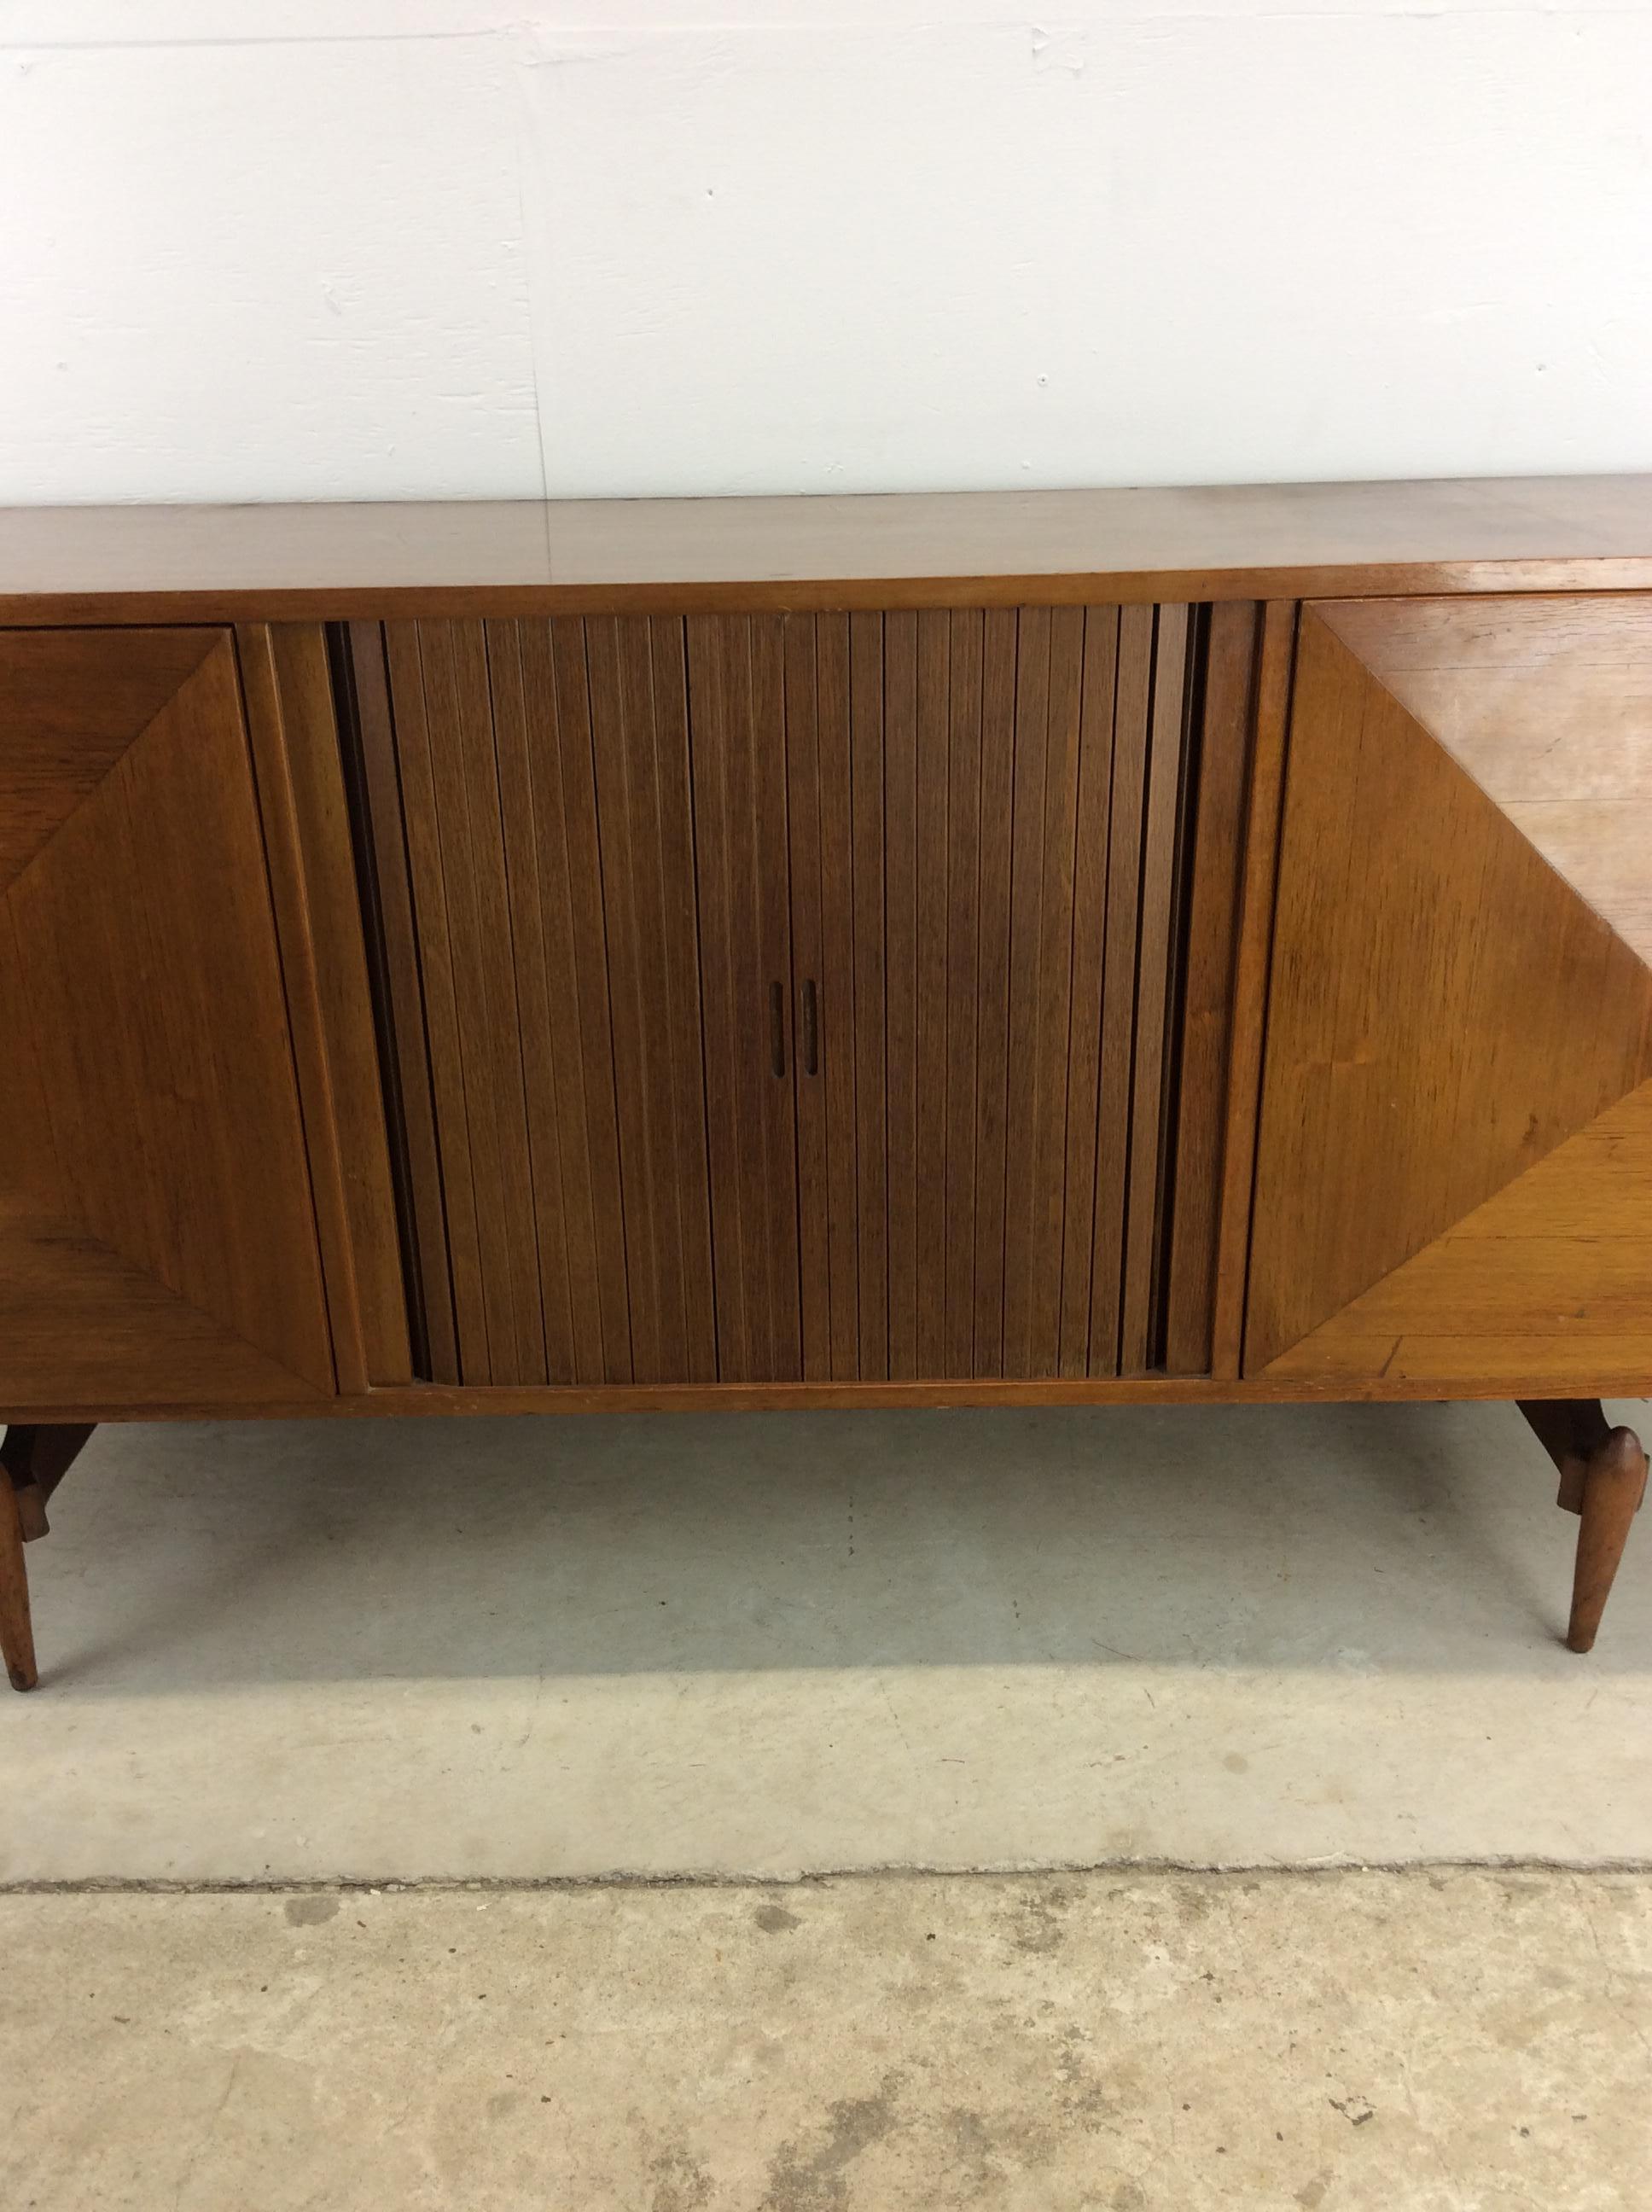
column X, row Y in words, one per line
column 522, row 1652
column 1420, row 2042
column 766, row 1646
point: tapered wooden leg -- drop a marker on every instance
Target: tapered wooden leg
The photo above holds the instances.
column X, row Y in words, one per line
column 16, row 1630
column 34, row 1457
column 1603, row 1480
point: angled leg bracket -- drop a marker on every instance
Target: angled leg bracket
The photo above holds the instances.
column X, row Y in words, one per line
column 34, row 1457
column 1603, row 1480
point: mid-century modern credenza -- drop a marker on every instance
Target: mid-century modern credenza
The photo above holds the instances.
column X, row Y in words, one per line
column 1046, row 947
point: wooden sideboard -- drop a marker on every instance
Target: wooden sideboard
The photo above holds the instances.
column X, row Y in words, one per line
column 1048, row 947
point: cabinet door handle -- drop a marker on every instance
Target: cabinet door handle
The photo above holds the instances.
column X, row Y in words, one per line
column 777, row 1029
column 810, row 1029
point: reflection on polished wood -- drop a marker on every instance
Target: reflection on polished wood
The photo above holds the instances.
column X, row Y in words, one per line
column 921, row 548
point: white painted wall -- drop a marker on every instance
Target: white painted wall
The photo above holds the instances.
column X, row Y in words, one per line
column 382, row 249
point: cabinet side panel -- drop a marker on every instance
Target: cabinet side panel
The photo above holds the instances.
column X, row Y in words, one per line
column 158, row 1238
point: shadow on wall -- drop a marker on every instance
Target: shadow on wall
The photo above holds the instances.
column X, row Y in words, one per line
column 1271, row 1538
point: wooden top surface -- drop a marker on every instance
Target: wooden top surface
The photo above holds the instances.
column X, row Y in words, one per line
column 1283, row 541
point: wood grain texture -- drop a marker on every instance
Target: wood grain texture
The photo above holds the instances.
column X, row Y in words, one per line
column 927, row 549
column 157, row 1233
column 865, row 888
column 878, row 1014
column 400, row 1005
column 1552, row 1275
column 1276, row 658
column 1446, row 1011
column 906, row 1162
column 544, row 785
column 803, row 857
column 288, row 688
column 645, row 814
column 1503, row 1378
column 1157, row 945
column 1093, row 1106
column 836, row 995
column 737, row 709
column 955, row 854
column 1220, row 770
column 17, row 1628
column 1131, row 739
column 1547, row 704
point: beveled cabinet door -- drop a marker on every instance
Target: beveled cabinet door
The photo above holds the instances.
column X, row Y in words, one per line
column 1454, row 1165
column 157, row 1236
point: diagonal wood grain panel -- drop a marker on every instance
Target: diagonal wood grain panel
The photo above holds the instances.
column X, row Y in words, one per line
column 152, row 1175
column 1550, row 1281
column 74, row 701
column 1547, row 704
column 1448, row 1006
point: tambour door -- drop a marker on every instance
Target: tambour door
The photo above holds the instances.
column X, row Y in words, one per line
column 158, row 1240
column 577, row 923
column 805, row 997
column 1000, row 824
column 1455, row 1170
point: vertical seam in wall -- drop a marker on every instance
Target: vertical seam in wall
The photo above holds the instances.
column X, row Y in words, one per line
column 526, row 141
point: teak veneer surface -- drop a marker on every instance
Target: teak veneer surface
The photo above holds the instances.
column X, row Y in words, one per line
column 882, row 551
column 1449, row 1176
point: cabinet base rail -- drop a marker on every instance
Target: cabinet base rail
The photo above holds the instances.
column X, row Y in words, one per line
column 1602, row 1469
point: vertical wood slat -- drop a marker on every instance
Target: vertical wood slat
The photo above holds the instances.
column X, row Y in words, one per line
column 576, row 1127
column 907, row 1164
column 1063, row 914
column 1206, row 1015
column 551, row 1255
column 635, row 672
column 294, row 724
column 1276, row 656
column 504, row 1030
column 997, row 743
column 962, row 981
column 965, row 829
column 433, row 1283
column 737, row 690
column 449, row 706
column 932, row 783
column 837, row 981
column 542, row 774
column 1156, row 945
column 1082, row 1350
column 405, row 652
column 1126, row 827
column 783, row 1316
column 1006, row 937
column 717, row 673
column 1028, row 1082
column 866, row 810
column 808, row 961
